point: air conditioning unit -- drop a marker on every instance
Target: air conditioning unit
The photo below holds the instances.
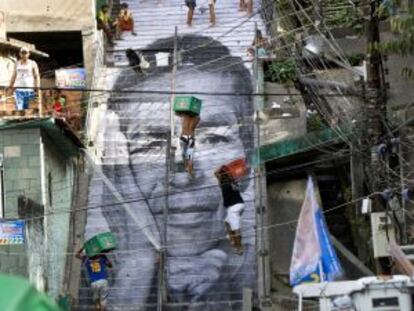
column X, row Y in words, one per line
column 382, row 234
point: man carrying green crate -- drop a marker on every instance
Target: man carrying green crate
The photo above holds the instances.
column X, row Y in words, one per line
column 96, row 267
column 188, row 108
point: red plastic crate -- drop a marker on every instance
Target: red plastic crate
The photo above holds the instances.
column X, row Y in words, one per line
column 237, row 168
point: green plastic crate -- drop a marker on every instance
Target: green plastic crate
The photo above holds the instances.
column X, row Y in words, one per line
column 100, row 243
column 187, row 104
column 17, row 294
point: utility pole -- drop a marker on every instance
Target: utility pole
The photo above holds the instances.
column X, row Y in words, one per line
column 169, row 163
column 162, row 288
column 260, row 193
column 375, row 106
column 376, row 101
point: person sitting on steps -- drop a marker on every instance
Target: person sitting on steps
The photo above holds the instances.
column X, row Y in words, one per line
column 106, row 24
column 262, row 44
column 187, row 140
column 125, row 20
column 234, row 205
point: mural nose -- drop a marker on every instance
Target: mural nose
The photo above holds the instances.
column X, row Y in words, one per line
column 183, row 179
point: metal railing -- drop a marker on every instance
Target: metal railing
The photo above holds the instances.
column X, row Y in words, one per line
column 99, row 63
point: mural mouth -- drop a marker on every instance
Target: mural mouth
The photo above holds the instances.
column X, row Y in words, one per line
column 188, row 201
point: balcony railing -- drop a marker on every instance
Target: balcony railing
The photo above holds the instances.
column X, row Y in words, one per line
column 70, row 110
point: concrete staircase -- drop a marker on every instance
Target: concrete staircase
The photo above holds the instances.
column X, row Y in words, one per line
column 130, row 145
column 153, row 22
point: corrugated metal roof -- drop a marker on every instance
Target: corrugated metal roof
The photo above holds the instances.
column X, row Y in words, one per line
column 10, row 45
column 297, row 145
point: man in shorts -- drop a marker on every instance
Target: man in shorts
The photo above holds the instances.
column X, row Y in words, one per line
column 26, row 79
column 191, row 4
column 96, row 267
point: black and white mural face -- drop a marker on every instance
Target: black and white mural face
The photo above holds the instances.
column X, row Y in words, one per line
column 202, row 271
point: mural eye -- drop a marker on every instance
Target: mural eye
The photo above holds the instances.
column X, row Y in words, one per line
column 215, row 139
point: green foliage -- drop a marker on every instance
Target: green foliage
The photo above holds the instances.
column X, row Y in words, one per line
column 403, row 43
column 315, row 122
column 281, row 72
column 347, row 17
column 355, row 59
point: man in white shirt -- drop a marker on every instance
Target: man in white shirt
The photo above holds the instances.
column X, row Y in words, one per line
column 26, row 80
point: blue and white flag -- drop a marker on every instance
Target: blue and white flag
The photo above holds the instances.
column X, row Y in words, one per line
column 313, row 250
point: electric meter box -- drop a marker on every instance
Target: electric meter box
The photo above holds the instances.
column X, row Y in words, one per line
column 382, row 234
column 383, row 296
column 372, row 293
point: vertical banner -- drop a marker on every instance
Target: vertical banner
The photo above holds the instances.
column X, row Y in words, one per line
column 403, row 264
column 313, row 255
column 12, row 232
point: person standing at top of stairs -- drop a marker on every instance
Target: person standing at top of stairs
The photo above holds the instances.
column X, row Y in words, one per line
column 246, row 5
column 191, row 4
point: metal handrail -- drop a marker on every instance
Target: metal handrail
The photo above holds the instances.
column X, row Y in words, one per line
column 99, row 63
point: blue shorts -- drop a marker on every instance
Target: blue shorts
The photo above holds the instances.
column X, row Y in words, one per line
column 23, row 97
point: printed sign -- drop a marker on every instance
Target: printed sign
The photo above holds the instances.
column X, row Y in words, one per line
column 74, row 78
column 12, row 232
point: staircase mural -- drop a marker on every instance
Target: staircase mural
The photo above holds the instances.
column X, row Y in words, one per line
column 201, row 272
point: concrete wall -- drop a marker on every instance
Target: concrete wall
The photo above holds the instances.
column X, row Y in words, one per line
column 285, row 200
column 286, row 115
column 21, row 167
column 59, row 185
column 52, row 16
column 21, row 177
column 43, row 257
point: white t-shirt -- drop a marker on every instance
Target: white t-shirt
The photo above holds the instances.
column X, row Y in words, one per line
column 25, row 74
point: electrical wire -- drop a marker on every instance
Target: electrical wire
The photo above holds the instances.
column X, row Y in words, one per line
column 245, row 233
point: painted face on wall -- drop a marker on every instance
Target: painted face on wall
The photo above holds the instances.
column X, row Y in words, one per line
column 200, row 264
